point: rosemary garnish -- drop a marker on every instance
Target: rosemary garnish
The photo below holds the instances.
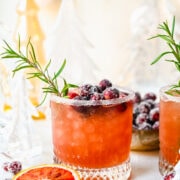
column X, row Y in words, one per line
column 28, row 60
column 174, row 48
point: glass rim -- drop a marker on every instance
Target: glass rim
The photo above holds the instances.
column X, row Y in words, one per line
column 76, row 102
column 166, row 96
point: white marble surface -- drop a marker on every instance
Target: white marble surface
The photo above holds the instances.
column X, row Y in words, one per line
column 145, row 166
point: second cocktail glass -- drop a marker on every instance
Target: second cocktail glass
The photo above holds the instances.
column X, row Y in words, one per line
column 94, row 137
column 169, row 162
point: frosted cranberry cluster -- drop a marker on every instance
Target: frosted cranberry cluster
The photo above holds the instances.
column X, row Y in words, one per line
column 146, row 111
column 103, row 91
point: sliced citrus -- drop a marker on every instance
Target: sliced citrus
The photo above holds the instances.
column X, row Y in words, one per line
column 47, row 172
column 7, row 107
column 39, row 116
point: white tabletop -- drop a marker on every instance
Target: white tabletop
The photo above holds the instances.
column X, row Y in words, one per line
column 145, row 165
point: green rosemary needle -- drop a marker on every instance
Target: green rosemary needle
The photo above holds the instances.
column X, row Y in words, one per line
column 28, row 60
column 167, row 36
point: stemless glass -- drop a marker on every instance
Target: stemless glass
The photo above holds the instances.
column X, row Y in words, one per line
column 93, row 137
column 169, row 161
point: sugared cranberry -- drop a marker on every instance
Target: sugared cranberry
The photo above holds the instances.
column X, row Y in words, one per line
column 150, row 95
column 95, row 89
column 13, row 167
column 151, row 103
column 111, row 93
column 169, row 176
column 84, row 90
column 141, row 118
column 137, row 97
column 72, row 94
column 105, row 83
column 155, row 126
column 144, row 126
column 96, row 96
column 144, row 107
column 6, row 166
column 154, row 114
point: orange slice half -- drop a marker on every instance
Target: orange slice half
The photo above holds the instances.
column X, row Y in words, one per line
column 47, row 172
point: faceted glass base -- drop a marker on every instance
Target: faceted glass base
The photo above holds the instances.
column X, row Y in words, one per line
column 169, row 171
column 120, row 172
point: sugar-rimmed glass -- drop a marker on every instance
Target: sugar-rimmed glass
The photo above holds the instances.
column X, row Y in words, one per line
column 93, row 137
column 169, row 134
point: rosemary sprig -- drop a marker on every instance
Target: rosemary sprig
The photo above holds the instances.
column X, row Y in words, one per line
column 174, row 47
column 28, row 60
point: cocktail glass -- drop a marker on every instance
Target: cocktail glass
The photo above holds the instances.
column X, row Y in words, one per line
column 169, row 161
column 93, row 137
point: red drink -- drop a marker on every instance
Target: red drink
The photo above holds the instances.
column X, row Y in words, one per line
column 92, row 134
column 169, row 132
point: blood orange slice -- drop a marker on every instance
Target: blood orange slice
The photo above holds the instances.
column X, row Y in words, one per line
column 47, row 172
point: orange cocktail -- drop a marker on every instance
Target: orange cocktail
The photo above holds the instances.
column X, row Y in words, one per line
column 169, row 131
column 92, row 134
